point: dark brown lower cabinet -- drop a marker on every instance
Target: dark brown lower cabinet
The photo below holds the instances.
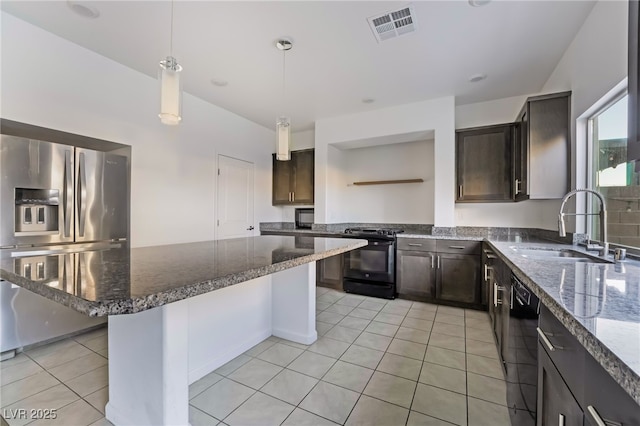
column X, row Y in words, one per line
column 329, row 272
column 415, row 274
column 605, row 400
column 458, row 278
column 499, row 305
column 569, row 376
column 446, row 271
column 556, row 404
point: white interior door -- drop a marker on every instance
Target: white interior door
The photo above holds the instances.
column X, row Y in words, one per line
column 235, row 198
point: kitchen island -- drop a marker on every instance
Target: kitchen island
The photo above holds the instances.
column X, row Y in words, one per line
column 178, row 312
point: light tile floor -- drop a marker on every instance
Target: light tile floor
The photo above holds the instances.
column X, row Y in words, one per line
column 376, row 362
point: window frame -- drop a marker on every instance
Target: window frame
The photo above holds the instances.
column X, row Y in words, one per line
column 591, row 178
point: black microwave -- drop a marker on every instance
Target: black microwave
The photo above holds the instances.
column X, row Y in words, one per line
column 304, row 218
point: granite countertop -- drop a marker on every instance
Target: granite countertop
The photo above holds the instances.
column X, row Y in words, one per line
column 599, row 303
column 469, row 233
column 301, row 232
column 124, row 281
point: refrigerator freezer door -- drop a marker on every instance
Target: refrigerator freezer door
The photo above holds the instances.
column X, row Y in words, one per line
column 36, row 192
column 102, row 186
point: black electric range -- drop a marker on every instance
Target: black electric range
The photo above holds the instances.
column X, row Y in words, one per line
column 371, row 270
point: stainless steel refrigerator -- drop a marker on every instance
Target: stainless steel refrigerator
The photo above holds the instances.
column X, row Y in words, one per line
column 61, row 207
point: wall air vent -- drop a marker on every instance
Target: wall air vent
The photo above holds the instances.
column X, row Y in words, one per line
column 393, row 24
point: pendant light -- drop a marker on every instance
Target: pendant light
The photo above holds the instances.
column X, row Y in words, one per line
column 283, row 124
column 170, row 89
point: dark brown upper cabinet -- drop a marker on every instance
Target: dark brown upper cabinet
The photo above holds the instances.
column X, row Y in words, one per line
column 542, row 161
column 484, row 163
column 526, row 160
column 293, row 180
column 633, row 143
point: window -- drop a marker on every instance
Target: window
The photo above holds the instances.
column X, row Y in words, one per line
column 613, row 176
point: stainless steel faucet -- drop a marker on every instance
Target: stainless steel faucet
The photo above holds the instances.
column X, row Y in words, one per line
column 604, row 249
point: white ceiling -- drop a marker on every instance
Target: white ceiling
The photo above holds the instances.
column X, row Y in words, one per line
column 335, row 61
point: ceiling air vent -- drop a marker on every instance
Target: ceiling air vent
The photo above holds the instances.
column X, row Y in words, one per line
column 393, row 24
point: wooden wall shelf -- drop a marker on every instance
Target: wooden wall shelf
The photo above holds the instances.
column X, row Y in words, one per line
column 387, row 182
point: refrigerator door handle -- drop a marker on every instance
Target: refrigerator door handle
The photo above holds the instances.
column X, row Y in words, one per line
column 82, row 195
column 67, row 194
column 79, row 275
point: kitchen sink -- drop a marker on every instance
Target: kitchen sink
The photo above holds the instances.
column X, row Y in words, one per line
column 560, row 254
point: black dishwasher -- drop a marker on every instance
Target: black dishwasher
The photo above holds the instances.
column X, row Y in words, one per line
column 521, row 356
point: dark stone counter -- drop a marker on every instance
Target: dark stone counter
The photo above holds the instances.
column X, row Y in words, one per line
column 120, row 280
column 599, row 303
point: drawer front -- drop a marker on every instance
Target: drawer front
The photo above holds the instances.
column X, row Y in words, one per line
column 568, row 355
column 458, row 246
column 416, row 244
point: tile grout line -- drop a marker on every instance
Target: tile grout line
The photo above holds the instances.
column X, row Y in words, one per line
column 392, row 337
column 421, row 367
column 374, row 371
column 327, row 372
column 466, row 367
column 61, row 382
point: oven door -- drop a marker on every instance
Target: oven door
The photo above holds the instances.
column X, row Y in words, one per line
column 374, row 262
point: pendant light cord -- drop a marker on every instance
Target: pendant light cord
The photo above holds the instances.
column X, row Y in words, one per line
column 284, row 70
column 171, row 39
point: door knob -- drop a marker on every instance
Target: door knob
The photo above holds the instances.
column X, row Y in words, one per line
column 251, row 228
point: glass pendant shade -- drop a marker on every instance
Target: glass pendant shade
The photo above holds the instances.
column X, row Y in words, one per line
column 283, row 135
column 170, row 92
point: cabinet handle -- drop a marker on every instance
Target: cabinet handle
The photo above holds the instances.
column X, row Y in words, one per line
column 438, row 262
column 595, row 416
column 545, row 339
column 293, row 196
column 560, row 420
column 517, row 186
column 496, row 288
column 432, row 261
column 491, row 256
column 457, row 247
column 460, row 191
column 487, row 269
column 415, row 245
column 511, row 298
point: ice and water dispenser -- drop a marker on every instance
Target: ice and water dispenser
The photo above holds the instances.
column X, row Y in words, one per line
column 36, row 211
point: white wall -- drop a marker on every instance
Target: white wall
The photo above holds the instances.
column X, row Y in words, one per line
column 50, row 82
column 498, row 111
column 303, row 140
column 396, row 203
column 596, row 60
column 435, row 115
column 593, row 64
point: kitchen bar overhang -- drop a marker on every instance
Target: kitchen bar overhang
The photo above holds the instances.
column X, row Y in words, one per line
column 178, row 312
